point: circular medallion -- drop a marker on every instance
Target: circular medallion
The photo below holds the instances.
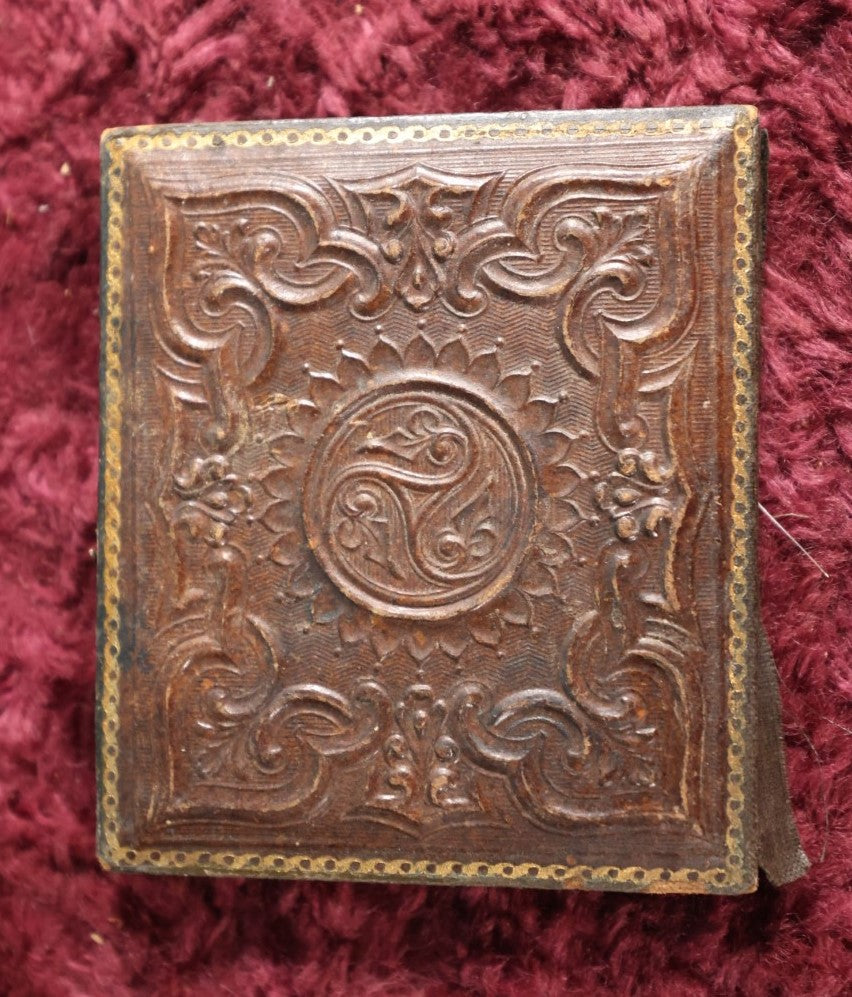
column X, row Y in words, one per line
column 418, row 500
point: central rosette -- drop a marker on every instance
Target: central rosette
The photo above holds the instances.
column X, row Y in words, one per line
column 419, row 500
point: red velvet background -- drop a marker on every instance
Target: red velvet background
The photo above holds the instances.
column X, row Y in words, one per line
column 69, row 68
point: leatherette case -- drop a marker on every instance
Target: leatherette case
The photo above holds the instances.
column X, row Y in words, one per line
column 427, row 536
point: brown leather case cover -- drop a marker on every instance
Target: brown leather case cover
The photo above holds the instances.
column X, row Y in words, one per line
column 428, row 500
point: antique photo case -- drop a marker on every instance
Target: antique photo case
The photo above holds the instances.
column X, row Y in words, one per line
column 426, row 542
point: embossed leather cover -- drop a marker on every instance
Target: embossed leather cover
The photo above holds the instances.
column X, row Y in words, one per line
column 427, row 522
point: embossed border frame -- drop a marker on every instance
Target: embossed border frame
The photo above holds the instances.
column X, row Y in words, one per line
column 739, row 873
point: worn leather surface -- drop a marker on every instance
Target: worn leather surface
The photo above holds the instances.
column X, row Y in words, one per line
column 780, row 852
column 429, row 459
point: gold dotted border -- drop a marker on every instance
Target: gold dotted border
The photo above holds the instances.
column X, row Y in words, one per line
column 109, row 527
column 402, row 131
column 739, row 859
column 738, row 873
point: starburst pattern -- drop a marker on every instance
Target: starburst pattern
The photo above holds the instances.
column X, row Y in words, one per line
column 300, row 422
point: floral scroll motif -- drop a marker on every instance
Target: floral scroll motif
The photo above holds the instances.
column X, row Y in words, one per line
column 423, row 774
column 378, row 498
column 211, row 497
column 416, row 217
column 232, row 722
column 638, row 494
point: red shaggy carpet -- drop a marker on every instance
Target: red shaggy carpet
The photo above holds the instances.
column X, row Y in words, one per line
column 69, row 68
